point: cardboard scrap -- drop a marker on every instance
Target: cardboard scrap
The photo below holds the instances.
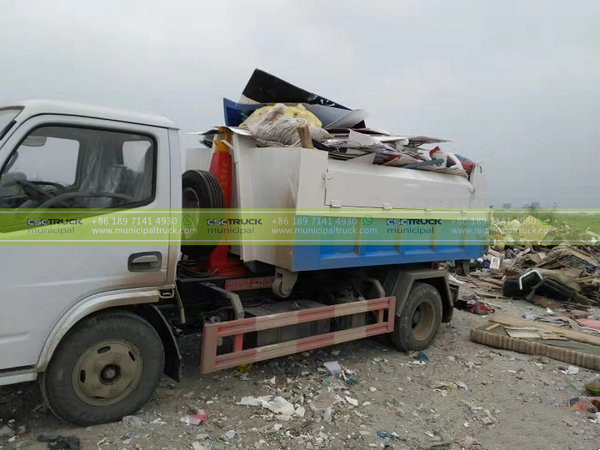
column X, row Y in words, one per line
column 531, row 333
column 523, row 332
column 512, row 333
column 569, row 334
column 589, row 323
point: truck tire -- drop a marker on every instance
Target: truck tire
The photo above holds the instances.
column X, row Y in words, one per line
column 419, row 321
column 201, row 189
column 107, row 367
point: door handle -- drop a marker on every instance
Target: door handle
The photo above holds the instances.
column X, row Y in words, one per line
column 145, row 262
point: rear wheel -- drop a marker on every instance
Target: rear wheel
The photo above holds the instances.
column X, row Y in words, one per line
column 107, row 367
column 418, row 323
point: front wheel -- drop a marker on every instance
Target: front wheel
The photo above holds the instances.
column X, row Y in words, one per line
column 107, row 367
column 418, row 323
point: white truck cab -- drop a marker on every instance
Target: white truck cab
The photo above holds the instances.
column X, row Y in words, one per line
column 95, row 158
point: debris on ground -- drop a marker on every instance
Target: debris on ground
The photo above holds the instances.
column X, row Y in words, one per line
column 133, row 421
column 57, row 442
column 283, row 409
column 422, row 357
column 469, row 443
column 6, row 432
column 230, row 434
column 588, row 404
column 593, row 386
column 197, row 418
column 351, row 381
column 589, row 323
column 571, row 370
column 322, row 404
column 439, row 385
column 552, row 284
column 388, row 435
column 513, row 333
column 568, row 274
column 352, row 401
column 333, row 367
column 565, row 280
column 474, row 305
column 549, row 319
column 397, row 394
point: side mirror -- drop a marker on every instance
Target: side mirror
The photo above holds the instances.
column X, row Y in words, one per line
column 35, row 141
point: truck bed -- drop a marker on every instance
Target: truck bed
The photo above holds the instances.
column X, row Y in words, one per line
column 308, row 181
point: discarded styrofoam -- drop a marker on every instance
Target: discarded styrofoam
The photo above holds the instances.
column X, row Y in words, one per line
column 333, row 367
column 278, row 405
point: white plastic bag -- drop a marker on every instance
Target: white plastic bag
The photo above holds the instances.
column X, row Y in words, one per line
column 275, row 125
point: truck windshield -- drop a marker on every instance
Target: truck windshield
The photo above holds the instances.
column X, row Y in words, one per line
column 6, row 115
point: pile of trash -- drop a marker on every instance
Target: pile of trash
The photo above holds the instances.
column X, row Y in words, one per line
column 271, row 110
column 574, row 271
column 562, row 276
column 564, row 273
column 551, row 267
column 541, row 227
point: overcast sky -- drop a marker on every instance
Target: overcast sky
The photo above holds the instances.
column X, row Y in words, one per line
column 514, row 84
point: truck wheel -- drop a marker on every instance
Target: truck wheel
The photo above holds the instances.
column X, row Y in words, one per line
column 420, row 319
column 201, row 189
column 107, row 367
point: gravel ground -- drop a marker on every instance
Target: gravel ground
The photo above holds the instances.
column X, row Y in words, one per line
column 499, row 400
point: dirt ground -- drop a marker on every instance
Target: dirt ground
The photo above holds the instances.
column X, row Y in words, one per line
column 499, row 400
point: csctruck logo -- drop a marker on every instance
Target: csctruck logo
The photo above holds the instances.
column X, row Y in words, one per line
column 396, row 222
column 39, row 222
column 233, row 222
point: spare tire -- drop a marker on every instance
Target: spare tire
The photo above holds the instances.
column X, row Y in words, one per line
column 201, row 190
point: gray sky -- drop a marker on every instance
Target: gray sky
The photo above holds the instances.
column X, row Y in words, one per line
column 515, row 84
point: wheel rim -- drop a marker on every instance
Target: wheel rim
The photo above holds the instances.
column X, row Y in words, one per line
column 190, row 199
column 422, row 320
column 108, row 372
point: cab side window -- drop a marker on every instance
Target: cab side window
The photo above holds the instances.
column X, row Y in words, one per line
column 76, row 167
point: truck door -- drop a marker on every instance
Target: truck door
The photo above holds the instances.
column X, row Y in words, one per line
column 88, row 163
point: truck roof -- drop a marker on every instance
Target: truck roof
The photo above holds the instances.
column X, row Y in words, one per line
column 36, row 107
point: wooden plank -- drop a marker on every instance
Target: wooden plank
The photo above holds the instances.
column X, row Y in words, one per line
column 492, row 281
column 570, row 334
column 305, row 137
column 489, row 294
